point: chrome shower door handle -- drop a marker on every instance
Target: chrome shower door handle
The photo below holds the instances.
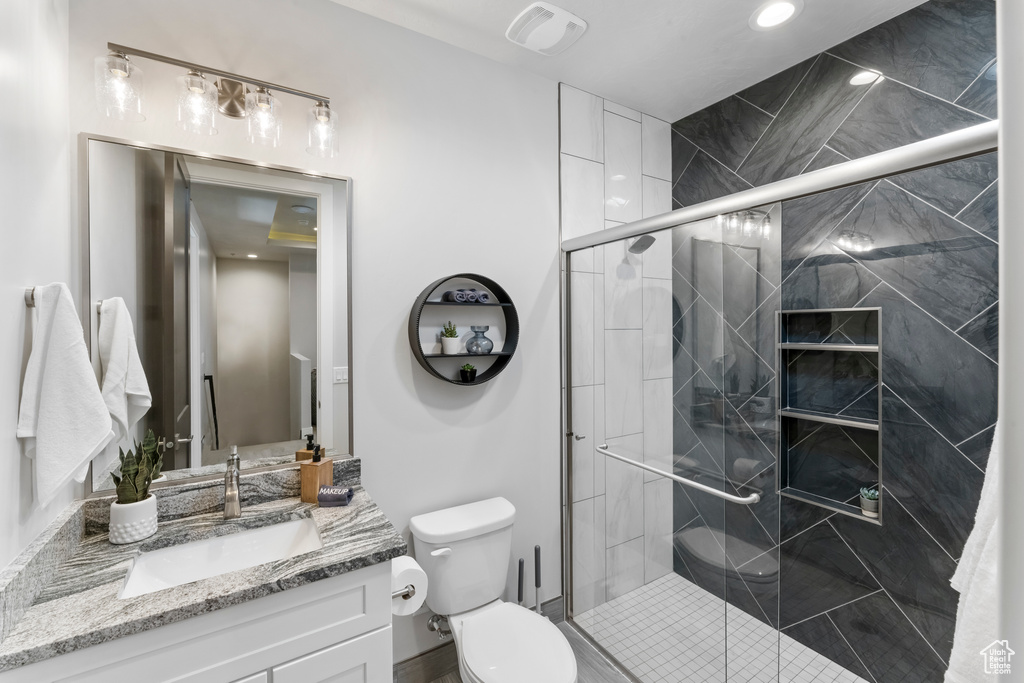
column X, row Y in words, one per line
column 744, row 500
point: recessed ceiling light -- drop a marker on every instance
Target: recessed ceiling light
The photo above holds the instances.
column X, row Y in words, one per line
column 302, row 208
column 774, row 14
column 865, row 77
column 253, row 256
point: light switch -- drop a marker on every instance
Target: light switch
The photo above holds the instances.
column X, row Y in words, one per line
column 340, row 375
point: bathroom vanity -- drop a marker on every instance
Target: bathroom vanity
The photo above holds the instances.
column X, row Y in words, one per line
column 323, row 613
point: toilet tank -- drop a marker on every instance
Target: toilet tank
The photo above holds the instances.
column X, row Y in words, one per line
column 465, row 552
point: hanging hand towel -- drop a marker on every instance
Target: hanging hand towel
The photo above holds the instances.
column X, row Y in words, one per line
column 62, row 416
column 977, row 581
column 124, row 386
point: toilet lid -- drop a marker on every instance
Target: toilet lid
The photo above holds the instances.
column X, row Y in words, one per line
column 511, row 644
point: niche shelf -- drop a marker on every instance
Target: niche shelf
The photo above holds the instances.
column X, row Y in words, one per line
column 429, row 314
column 830, row 398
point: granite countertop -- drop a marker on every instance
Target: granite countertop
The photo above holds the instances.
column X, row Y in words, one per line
column 79, row 606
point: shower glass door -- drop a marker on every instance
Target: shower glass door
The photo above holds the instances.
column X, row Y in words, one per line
column 672, row 367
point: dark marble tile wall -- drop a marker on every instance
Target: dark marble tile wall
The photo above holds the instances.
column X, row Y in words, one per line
column 874, row 599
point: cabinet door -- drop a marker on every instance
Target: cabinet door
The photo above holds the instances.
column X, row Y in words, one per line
column 366, row 659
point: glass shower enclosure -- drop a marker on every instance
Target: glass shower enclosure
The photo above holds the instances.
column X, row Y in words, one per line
column 674, row 517
column 730, row 394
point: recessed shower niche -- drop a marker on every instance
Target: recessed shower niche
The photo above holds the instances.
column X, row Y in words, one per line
column 830, row 370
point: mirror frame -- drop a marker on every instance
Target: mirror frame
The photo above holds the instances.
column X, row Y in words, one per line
column 84, row 261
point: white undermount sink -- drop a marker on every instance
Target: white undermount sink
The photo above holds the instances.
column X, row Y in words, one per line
column 208, row 557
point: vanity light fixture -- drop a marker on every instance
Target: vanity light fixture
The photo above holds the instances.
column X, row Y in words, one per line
column 253, row 256
column 197, row 104
column 751, row 223
column 264, row 113
column 850, row 240
column 773, row 14
column 119, row 86
column 119, row 94
column 322, row 125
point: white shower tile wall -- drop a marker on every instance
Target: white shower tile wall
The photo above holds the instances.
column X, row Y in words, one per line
column 616, row 166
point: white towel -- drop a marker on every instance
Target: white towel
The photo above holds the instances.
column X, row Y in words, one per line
column 62, row 414
column 124, row 386
column 976, row 579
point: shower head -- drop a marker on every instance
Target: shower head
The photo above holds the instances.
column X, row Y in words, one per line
column 641, row 244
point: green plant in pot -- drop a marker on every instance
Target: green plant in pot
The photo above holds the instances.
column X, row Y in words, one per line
column 468, row 373
column 133, row 514
column 869, row 501
column 449, row 339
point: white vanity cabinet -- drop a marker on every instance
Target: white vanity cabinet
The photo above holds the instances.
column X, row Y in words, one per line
column 336, row 629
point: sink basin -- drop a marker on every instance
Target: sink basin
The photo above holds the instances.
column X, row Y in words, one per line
column 202, row 559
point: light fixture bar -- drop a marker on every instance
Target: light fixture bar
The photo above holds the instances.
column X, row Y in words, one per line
column 217, row 72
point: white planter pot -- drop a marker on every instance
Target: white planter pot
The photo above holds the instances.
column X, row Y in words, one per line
column 132, row 521
column 162, row 477
column 449, row 345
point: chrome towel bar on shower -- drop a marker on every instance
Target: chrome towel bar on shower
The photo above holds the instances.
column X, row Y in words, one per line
column 745, row 500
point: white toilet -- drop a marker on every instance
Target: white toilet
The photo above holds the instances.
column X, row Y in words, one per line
column 465, row 552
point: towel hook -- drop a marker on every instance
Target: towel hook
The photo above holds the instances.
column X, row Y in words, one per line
column 30, row 297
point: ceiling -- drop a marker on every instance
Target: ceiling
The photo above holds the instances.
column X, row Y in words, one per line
column 240, row 221
column 666, row 58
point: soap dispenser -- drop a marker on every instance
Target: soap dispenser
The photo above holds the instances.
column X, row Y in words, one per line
column 307, row 452
column 317, row 472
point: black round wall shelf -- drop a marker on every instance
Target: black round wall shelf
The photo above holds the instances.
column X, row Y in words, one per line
column 432, row 313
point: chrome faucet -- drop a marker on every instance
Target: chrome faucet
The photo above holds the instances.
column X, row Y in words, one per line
column 232, row 505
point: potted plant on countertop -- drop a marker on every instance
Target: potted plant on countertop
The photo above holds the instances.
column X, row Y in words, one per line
column 450, row 339
column 869, row 501
column 468, row 373
column 133, row 514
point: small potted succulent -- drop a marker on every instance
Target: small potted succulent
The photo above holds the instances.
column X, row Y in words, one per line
column 133, row 514
column 449, row 339
column 869, row 501
column 468, row 373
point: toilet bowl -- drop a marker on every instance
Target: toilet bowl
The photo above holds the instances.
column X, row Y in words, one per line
column 465, row 553
column 505, row 643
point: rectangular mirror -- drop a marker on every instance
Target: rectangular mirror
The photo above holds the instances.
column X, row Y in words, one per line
column 235, row 279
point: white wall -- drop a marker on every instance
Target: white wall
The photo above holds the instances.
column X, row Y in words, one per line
column 1010, row 21
column 302, row 304
column 37, row 234
column 454, row 161
column 253, row 404
column 115, row 206
column 207, row 325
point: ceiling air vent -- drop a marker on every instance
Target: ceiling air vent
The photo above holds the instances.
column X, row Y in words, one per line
column 546, row 29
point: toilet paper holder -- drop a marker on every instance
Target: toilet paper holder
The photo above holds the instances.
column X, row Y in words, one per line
column 404, row 593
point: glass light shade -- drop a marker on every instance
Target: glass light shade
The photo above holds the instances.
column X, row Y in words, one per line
column 323, row 131
column 263, row 112
column 197, row 104
column 119, row 88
